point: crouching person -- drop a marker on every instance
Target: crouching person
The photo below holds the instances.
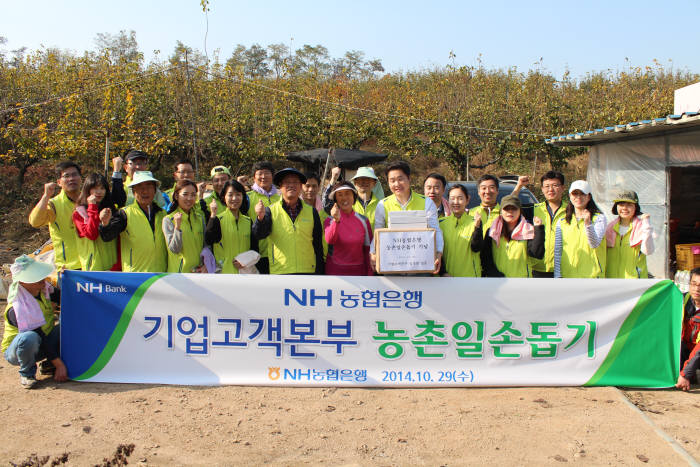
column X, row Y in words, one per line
column 30, row 334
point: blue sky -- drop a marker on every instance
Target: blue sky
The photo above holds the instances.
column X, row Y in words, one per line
column 406, row 35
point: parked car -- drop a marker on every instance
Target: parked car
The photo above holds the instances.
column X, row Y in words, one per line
column 505, row 187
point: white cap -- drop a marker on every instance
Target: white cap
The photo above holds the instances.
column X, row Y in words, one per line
column 580, row 185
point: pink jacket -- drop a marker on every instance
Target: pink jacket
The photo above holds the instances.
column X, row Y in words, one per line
column 348, row 243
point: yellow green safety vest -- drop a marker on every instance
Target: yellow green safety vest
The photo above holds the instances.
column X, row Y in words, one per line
column 11, row 331
column 143, row 249
column 290, row 244
column 416, row 203
column 487, row 217
column 254, row 197
column 235, row 239
column 511, row 258
column 97, row 255
column 624, row 261
column 322, row 215
column 546, row 264
column 64, row 235
column 192, row 228
column 367, row 211
column 578, row 259
column 460, row 260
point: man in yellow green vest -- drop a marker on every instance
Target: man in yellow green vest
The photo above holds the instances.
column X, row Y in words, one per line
column 136, row 161
column 488, row 210
column 184, row 170
column 262, row 190
column 57, row 212
column 219, row 176
column 139, row 226
column 550, row 211
column 434, row 188
column 365, row 182
column 292, row 228
column 398, row 175
column 30, row 334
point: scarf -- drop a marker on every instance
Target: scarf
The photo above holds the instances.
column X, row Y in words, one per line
column 637, row 233
column 27, row 310
column 523, row 231
column 262, row 191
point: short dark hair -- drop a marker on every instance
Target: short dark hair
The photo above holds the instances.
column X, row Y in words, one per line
column 399, row 165
column 551, row 175
column 485, row 177
column 263, row 165
column 65, row 165
column 694, row 272
column 458, row 186
column 437, row 176
column 314, row 175
column 245, row 203
column 184, row 160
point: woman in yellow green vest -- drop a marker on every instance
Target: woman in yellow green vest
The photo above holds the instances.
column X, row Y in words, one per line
column 463, row 236
column 183, row 229
column 138, row 226
column 29, row 333
column 95, row 254
column 629, row 238
column 512, row 244
column 579, row 246
column 229, row 232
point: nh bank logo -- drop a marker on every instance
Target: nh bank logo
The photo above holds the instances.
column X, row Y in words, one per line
column 92, row 287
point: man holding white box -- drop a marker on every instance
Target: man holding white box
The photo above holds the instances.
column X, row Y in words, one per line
column 405, row 199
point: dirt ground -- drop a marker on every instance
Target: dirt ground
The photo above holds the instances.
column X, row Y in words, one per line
column 110, row 424
column 90, row 423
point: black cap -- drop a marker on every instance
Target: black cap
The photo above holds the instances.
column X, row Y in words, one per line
column 135, row 154
column 279, row 176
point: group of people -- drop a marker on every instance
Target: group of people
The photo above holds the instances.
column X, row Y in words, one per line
column 133, row 226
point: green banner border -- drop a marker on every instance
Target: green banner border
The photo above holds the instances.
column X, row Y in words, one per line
column 641, row 355
column 119, row 331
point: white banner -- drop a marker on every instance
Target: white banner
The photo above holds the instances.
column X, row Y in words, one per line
column 364, row 331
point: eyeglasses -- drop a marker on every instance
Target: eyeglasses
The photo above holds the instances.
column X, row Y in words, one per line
column 553, row 186
column 185, row 172
column 68, row 175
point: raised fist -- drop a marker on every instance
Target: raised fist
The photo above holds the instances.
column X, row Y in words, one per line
column 335, row 212
column 537, row 221
column 50, row 188
column 105, row 216
column 523, row 180
column 201, row 186
column 260, row 210
column 92, row 199
column 117, row 163
column 335, row 174
column 213, row 207
column 177, row 220
column 586, row 217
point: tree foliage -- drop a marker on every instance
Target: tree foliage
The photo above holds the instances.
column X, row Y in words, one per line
column 266, row 101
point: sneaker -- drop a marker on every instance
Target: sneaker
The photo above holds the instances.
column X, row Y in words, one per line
column 47, row 368
column 27, row 382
